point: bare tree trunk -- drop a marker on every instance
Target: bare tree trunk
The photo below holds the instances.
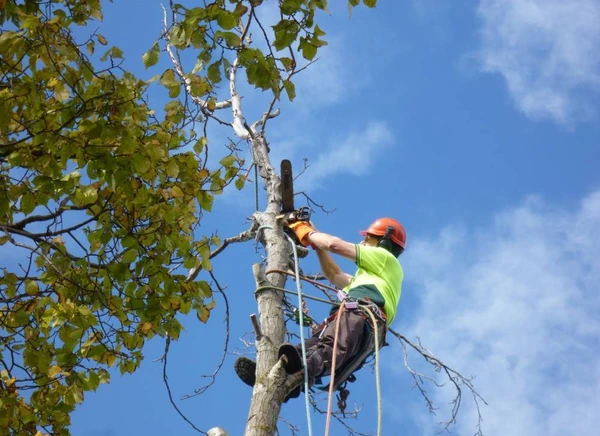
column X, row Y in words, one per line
column 269, row 390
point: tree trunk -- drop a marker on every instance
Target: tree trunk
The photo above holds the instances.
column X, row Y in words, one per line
column 269, row 389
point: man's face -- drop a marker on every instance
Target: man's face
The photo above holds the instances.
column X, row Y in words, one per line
column 369, row 241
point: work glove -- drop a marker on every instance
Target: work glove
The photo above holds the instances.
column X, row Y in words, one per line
column 302, row 230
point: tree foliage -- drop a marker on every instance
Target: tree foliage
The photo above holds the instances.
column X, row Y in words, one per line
column 100, row 193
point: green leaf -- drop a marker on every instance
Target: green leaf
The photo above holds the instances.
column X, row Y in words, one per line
column 290, row 89
column 172, row 169
column 309, row 51
column 151, row 56
column 130, row 255
column 227, row 20
column 288, row 63
column 174, row 91
column 200, row 144
column 198, row 85
column 206, row 291
column 286, row 32
column 228, row 161
column 290, row 7
column 370, row 3
column 27, row 203
column 232, row 39
column 214, row 72
column 168, row 78
column 141, row 164
column 206, row 200
column 240, row 182
column 31, row 287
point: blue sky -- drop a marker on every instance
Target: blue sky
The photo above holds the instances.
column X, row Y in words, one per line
column 476, row 125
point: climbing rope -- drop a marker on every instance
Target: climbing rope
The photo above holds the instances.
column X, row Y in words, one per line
column 316, row 284
column 377, row 377
column 301, row 315
column 287, row 291
column 300, row 295
column 332, row 381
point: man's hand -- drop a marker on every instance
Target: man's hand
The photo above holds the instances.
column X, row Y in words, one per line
column 302, row 230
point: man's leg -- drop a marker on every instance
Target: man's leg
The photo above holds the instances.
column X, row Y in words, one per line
column 320, row 349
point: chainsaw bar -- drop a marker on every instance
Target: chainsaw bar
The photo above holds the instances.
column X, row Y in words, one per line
column 287, row 187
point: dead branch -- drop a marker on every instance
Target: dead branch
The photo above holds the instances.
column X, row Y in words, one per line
column 179, row 70
column 246, row 235
column 456, row 378
column 166, row 381
column 213, row 376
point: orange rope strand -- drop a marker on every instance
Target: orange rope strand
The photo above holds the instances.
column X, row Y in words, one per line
column 332, row 381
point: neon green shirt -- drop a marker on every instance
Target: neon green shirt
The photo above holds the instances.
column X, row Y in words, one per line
column 379, row 268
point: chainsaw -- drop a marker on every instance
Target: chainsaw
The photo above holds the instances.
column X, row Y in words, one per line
column 288, row 212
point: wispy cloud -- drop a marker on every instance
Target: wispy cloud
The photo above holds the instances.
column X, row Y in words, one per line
column 335, row 76
column 546, row 51
column 355, row 154
column 516, row 305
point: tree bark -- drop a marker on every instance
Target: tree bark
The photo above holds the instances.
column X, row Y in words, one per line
column 269, row 391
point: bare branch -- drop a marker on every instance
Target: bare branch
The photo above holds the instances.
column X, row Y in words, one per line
column 236, row 104
column 313, row 203
column 246, row 235
column 266, row 116
column 213, row 376
column 179, row 70
column 166, row 381
column 256, row 327
column 457, row 379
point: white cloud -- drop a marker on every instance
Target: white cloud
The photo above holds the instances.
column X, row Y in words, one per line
column 546, row 51
column 517, row 306
column 333, row 77
column 353, row 155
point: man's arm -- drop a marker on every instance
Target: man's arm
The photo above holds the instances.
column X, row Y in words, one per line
column 325, row 243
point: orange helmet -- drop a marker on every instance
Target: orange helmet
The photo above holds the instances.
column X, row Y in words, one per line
column 380, row 226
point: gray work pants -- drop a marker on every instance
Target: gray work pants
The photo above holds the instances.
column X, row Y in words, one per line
column 319, row 348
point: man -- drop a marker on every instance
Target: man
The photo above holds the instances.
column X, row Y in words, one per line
column 377, row 281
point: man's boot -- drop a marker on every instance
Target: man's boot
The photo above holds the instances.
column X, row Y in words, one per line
column 246, row 370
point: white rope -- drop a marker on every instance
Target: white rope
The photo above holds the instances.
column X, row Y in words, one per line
column 377, row 377
column 301, row 315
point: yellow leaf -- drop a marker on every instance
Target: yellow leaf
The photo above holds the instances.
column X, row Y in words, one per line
column 203, row 313
column 54, row 370
column 102, row 40
column 176, row 191
column 146, row 327
column 110, row 359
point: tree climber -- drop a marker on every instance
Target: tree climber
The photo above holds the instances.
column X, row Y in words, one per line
column 377, row 282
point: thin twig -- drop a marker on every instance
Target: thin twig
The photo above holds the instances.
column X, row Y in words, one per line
column 246, row 235
column 166, row 381
column 457, row 379
column 213, row 376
